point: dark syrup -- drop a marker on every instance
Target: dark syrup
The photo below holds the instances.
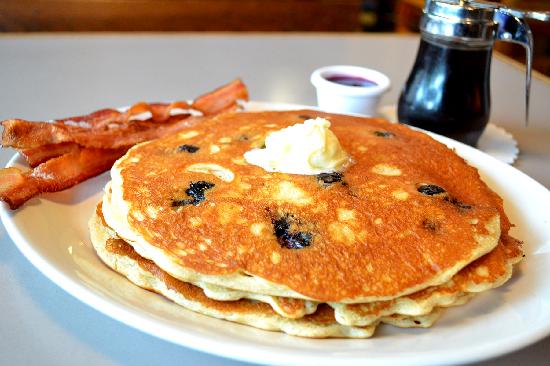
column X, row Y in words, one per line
column 448, row 91
column 350, row 80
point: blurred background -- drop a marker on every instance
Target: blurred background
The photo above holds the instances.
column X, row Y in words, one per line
column 244, row 16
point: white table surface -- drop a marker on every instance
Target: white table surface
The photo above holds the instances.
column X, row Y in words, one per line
column 52, row 76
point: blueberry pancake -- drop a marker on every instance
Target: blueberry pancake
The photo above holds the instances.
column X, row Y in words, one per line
column 419, row 310
column 406, row 215
column 122, row 258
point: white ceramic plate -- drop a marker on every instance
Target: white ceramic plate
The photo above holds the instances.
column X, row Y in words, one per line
column 51, row 231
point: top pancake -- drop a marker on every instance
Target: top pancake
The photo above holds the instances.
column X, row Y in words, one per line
column 371, row 235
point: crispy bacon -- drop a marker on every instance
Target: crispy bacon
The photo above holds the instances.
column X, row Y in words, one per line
column 17, row 187
column 96, row 119
column 40, row 154
column 107, row 117
column 30, row 135
column 110, row 129
column 221, row 99
column 22, row 134
column 68, row 151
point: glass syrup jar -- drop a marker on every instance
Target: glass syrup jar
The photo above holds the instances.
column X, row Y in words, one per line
column 448, row 89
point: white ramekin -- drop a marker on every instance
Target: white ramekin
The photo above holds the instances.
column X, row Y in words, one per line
column 339, row 98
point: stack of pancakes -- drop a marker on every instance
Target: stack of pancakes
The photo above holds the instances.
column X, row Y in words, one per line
column 406, row 230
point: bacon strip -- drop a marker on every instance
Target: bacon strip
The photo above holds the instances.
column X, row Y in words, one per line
column 31, row 135
column 222, row 99
column 95, row 119
column 106, row 117
column 110, row 129
column 40, row 154
column 159, row 111
column 22, row 134
column 17, row 187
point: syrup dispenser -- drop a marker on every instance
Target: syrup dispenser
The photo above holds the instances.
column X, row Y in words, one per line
column 448, row 90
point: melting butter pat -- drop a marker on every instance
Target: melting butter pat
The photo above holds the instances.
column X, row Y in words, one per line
column 307, row 148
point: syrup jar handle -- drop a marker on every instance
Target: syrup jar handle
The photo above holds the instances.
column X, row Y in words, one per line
column 512, row 27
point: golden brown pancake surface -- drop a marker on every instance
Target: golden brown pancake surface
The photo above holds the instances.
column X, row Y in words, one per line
column 374, row 232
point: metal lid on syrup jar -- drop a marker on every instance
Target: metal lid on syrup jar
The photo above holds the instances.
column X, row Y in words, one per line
column 459, row 20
